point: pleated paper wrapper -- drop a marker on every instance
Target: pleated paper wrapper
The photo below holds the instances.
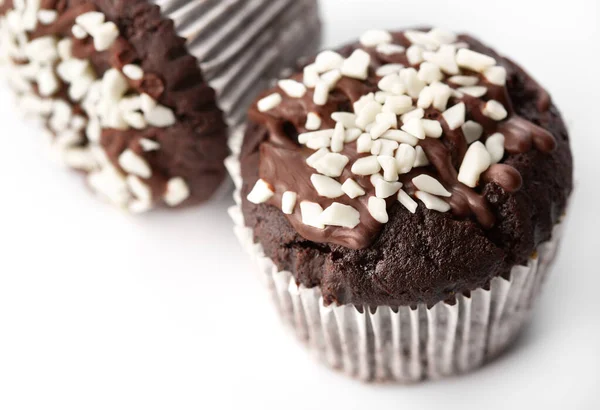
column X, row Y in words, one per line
column 399, row 343
column 242, row 44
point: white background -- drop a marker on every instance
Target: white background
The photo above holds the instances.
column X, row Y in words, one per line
column 99, row 310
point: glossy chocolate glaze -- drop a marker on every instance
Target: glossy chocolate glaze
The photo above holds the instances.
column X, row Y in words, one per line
column 280, row 152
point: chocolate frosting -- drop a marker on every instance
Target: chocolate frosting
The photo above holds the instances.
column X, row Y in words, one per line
column 195, row 147
column 428, row 256
column 287, row 120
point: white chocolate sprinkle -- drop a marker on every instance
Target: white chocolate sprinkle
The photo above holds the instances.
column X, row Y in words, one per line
column 392, row 83
column 427, row 183
column 476, row 161
column 405, row 158
column 331, row 164
column 331, row 78
column 374, row 178
column 368, row 114
column 311, row 214
column 366, row 166
column 352, row 134
column 442, row 36
column 444, row 58
column 46, row 16
column 407, row 201
column 364, row 143
column 160, row 116
column 380, row 128
column 340, row 215
column 269, row 102
column 373, row 38
column 305, row 137
column 147, row 103
column 347, row 119
column 430, row 73
column 261, row 192
column 421, row 159
column 326, row 186
column 441, row 95
column 473, row 60
column 149, row 145
column 139, row 188
column 316, row 156
column 410, row 78
column 311, row 76
column 401, row 137
column 105, row 35
column 177, row 191
column 90, row 21
column 313, row 121
column 65, row 47
column 496, row 75
column 288, row 202
column 494, row 110
column 78, row 32
column 357, row 65
column 134, row 164
column 328, row 60
column 352, row 189
column 474, row 91
column 495, row 146
column 292, row 88
column 415, row 128
column 133, row 72
column 376, row 148
column 433, row 202
column 389, row 166
column 321, row 93
column 385, row 189
column 464, row 80
column 47, row 82
column 415, row 114
column 390, row 49
column 388, row 69
column 378, row 209
column 455, row 116
column 433, row 128
column 338, row 137
column 387, row 147
column 398, row 105
column 414, row 54
column 135, row 120
column 363, row 101
column 317, row 139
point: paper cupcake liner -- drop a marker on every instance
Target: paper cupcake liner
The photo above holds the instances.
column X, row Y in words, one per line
column 241, row 44
column 400, row 343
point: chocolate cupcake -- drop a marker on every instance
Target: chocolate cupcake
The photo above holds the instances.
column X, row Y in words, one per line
column 139, row 94
column 403, row 200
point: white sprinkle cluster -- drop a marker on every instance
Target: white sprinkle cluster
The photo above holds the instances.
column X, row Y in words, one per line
column 109, row 102
column 386, row 127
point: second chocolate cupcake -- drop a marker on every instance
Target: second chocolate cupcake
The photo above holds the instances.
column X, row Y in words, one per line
column 139, row 94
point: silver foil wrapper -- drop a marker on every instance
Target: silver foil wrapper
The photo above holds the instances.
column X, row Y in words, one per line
column 241, row 45
column 400, row 343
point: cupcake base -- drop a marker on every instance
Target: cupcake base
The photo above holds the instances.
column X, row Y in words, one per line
column 401, row 344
